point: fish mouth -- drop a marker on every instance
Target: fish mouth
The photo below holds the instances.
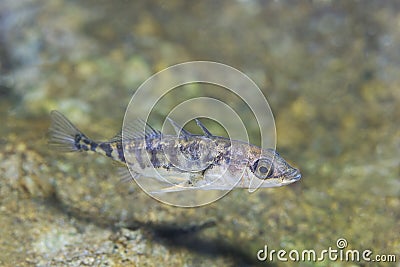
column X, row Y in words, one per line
column 292, row 176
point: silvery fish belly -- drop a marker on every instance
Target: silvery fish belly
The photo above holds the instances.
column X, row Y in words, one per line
column 184, row 161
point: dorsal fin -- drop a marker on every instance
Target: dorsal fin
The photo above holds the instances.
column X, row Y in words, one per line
column 139, row 129
column 149, row 130
column 179, row 129
column 203, row 128
column 117, row 137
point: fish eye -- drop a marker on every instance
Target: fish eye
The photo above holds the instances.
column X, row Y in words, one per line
column 263, row 169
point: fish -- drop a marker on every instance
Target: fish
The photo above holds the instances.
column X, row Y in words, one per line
column 184, row 161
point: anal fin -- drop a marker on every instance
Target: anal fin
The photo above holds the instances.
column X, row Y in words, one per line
column 126, row 176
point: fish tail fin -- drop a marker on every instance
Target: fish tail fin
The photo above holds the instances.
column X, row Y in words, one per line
column 64, row 136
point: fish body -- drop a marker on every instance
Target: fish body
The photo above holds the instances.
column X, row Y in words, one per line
column 183, row 161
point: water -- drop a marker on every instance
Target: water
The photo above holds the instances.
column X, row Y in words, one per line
column 329, row 71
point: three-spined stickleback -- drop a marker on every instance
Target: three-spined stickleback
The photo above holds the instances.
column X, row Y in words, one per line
column 184, row 161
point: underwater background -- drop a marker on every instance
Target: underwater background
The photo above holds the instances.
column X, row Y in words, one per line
column 329, row 69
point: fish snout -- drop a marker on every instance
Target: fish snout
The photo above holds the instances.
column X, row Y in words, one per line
column 292, row 176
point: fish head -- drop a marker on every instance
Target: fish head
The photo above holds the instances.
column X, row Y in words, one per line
column 269, row 169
